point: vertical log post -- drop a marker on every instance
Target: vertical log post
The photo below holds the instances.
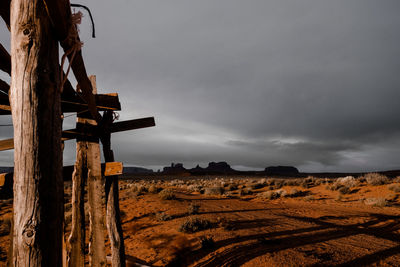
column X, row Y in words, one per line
column 97, row 253
column 76, row 240
column 113, row 218
column 88, row 165
column 36, row 113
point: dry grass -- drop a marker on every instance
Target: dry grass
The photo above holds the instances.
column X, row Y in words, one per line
column 214, row 190
column 376, row 179
column 376, row 202
column 193, row 225
column 394, row 187
column 167, row 194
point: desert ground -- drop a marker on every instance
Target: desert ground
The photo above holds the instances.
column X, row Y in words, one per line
column 239, row 221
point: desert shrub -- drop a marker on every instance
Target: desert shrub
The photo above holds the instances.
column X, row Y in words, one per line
column 207, row 242
column 310, row 179
column 133, row 187
column 271, row 181
column 162, row 216
column 138, row 190
column 278, row 184
column 377, row 202
column 240, row 186
column 348, row 181
column 335, row 187
column 218, row 190
column 255, row 186
column 232, row 187
column 305, row 184
column 296, row 193
column 361, row 179
column 193, row 209
column 193, row 225
column 376, row 178
column 292, row 182
column 317, row 182
column 394, row 187
column 167, row 194
column 270, row 195
column 153, row 189
column 344, row 190
column 194, row 187
column 396, row 179
column 293, row 192
column 391, row 197
column 263, row 181
column 245, row 191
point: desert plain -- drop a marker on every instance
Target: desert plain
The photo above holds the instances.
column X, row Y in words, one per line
column 252, row 221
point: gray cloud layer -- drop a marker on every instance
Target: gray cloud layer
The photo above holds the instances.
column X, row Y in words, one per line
column 313, row 84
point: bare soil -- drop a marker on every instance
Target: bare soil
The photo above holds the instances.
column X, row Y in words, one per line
column 313, row 229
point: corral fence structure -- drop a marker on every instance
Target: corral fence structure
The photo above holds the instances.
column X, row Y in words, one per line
column 39, row 96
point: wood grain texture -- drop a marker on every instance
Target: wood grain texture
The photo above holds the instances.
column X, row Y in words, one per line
column 35, row 101
column 76, row 240
column 97, row 253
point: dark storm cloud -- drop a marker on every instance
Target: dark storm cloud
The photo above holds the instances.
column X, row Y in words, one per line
column 308, row 83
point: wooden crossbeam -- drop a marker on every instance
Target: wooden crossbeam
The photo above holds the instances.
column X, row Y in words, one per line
column 132, row 124
column 103, row 102
column 6, row 144
column 4, row 87
column 60, row 13
column 61, row 17
column 68, row 94
column 5, row 108
column 5, row 60
column 78, row 133
column 5, row 11
column 4, row 96
column 73, row 104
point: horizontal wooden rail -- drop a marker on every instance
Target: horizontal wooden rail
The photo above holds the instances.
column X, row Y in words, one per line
column 4, row 87
column 85, row 131
column 132, row 124
column 5, row 11
column 71, row 104
column 5, row 60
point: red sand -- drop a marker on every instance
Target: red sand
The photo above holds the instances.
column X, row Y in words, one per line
column 250, row 231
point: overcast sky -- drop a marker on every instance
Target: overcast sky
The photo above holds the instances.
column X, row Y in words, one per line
column 310, row 83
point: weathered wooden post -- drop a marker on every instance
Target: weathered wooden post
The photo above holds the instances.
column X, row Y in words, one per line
column 113, row 218
column 97, row 253
column 88, row 165
column 36, row 114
